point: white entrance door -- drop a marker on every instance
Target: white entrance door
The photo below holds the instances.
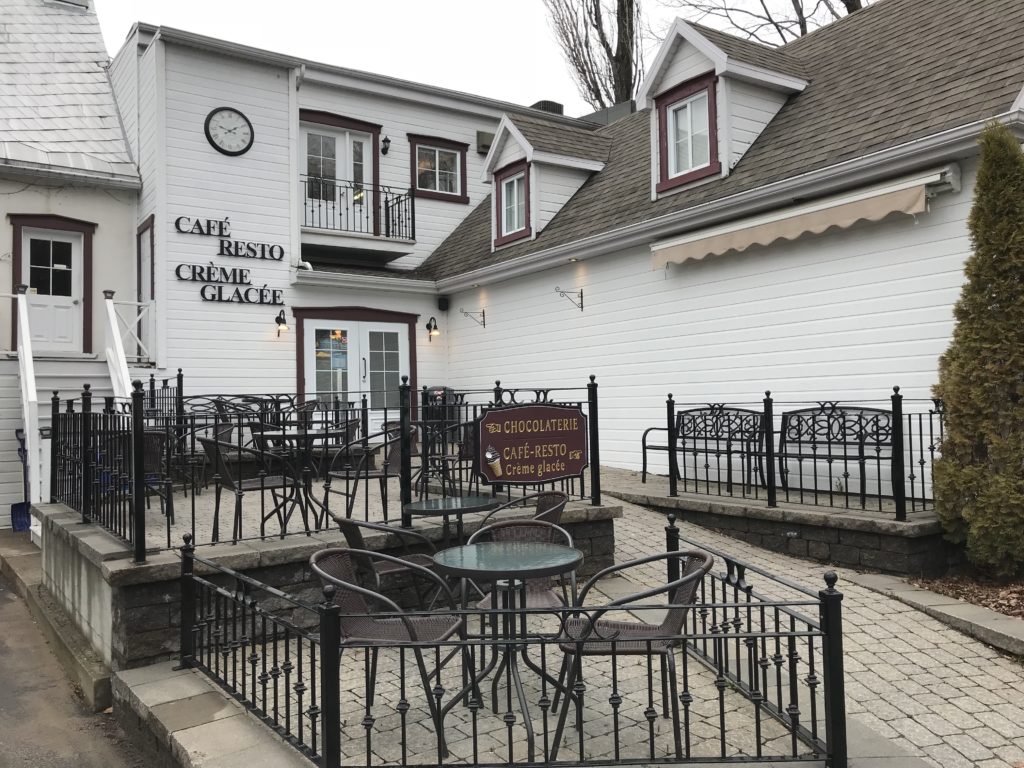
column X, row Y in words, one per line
column 344, row 360
column 337, row 169
column 52, row 261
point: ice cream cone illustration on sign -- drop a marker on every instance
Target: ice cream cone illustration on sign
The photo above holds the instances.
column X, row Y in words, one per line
column 493, row 459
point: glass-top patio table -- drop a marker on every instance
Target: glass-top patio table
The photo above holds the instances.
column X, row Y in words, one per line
column 507, row 565
column 446, row 506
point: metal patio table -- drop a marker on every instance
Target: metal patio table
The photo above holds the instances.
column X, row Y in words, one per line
column 446, row 506
column 507, row 565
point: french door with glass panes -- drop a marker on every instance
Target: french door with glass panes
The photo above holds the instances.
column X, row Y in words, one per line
column 52, row 260
column 336, row 196
column 344, row 360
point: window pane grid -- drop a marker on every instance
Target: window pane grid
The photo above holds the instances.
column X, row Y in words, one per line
column 690, row 129
column 437, row 170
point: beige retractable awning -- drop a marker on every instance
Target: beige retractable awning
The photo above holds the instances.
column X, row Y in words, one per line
column 789, row 224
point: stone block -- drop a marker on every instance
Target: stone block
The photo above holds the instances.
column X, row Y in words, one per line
column 798, row 547
column 819, row 550
column 845, row 555
column 859, row 539
column 775, row 543
column 767, row 527
column 891, row 562
column 819, row 533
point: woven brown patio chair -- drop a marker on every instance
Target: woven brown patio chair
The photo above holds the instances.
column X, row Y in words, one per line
column 353, row 531
column 364, row 624
column 588, row 634
column 546, row 505
column 540, row 593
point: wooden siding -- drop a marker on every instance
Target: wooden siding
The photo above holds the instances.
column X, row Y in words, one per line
column 221, row 344
column 435, row 219
column 751, row 108
column 511, row 152
column 685, row 63
column 844, row 315
column 553, row 186
column 124, row 79
column 149, row 137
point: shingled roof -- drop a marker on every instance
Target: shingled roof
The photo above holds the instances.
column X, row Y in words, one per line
column 750, row 52
column 893, row 72
column 57, row 110
column 562, row 139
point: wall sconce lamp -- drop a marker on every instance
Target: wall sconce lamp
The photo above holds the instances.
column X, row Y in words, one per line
column 480, row 318
column 571, row 296
column 432, row 330
column 282, row 323
column 385, row 145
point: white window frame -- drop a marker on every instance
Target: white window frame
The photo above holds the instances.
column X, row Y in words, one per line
column 672, row 115
column 520, row 210
column 458, row 169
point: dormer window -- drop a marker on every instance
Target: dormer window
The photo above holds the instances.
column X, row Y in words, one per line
column 512, row 202
column 687, row 133
column 438, row 168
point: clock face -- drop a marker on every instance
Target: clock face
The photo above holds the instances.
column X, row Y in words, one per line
column 229, row 131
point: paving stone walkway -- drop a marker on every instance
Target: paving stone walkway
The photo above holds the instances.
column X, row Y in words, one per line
column 932, row 690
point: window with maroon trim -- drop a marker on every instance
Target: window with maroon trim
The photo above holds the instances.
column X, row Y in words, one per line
column 438, row 169
column 512, row 203
column 687, row 133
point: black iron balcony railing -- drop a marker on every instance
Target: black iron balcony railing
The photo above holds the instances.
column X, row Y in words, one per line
column 340, row 205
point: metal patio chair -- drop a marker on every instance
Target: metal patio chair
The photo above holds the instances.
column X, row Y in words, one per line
column 351, row 465
column 588, row 634
column 283, row 489
column 363, row 624
column 547, row 506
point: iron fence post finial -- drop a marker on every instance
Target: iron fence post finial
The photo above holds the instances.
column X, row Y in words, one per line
column 188, row 604
column 138, row 472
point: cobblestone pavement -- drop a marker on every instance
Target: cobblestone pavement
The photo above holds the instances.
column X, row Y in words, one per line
column 938, row 693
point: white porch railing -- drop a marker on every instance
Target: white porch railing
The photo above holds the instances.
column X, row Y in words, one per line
column 117, row 363
column 135, row 323
column 29, row 397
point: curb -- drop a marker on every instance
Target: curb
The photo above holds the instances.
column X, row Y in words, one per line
column 1005, row 633
column 181, row 719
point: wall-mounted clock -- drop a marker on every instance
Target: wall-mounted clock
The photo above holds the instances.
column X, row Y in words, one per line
column 229, row 131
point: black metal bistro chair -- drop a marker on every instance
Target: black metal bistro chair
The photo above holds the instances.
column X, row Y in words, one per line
column 363, row 623
column 352, row 465
column 283, row 490
column 588, row 634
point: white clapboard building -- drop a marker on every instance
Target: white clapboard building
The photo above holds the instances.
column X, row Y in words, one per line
column 789, row 219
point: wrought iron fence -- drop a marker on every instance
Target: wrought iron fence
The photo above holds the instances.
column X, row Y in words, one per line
column 830, row 453
column 760, row 676
column 106, row 465
column 342, row 205
column 257, row 465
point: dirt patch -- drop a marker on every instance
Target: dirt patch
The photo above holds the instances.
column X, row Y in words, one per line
column 1004, row 597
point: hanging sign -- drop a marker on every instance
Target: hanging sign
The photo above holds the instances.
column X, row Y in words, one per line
column 228, row 285
column 527, row 444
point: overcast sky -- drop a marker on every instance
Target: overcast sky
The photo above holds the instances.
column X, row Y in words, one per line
column 502, row 49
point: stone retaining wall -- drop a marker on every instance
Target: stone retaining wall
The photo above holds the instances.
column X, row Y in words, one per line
column 132, row 613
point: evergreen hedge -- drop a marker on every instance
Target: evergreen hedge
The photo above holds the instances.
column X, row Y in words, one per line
column 979, row 479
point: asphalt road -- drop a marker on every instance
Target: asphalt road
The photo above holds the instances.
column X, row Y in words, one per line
column 44, row 724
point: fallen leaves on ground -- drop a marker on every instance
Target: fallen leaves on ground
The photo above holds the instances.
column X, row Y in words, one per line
column 1006, row 598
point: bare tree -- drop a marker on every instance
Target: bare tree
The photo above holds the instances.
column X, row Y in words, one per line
column 601, row 42
column 772, row 22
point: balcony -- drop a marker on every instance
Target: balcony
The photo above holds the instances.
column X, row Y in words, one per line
column 375, row 221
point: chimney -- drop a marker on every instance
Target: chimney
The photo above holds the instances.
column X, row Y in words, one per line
column 548, row 106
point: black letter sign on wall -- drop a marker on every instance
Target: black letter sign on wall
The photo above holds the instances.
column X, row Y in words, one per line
column 222, row 284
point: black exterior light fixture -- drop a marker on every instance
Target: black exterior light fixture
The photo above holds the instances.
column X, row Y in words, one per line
column 432, row 330
column 385, row 145
column 282, row 323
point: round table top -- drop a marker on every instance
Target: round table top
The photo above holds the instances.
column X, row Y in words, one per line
column 451, row 505
column 508, row 559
